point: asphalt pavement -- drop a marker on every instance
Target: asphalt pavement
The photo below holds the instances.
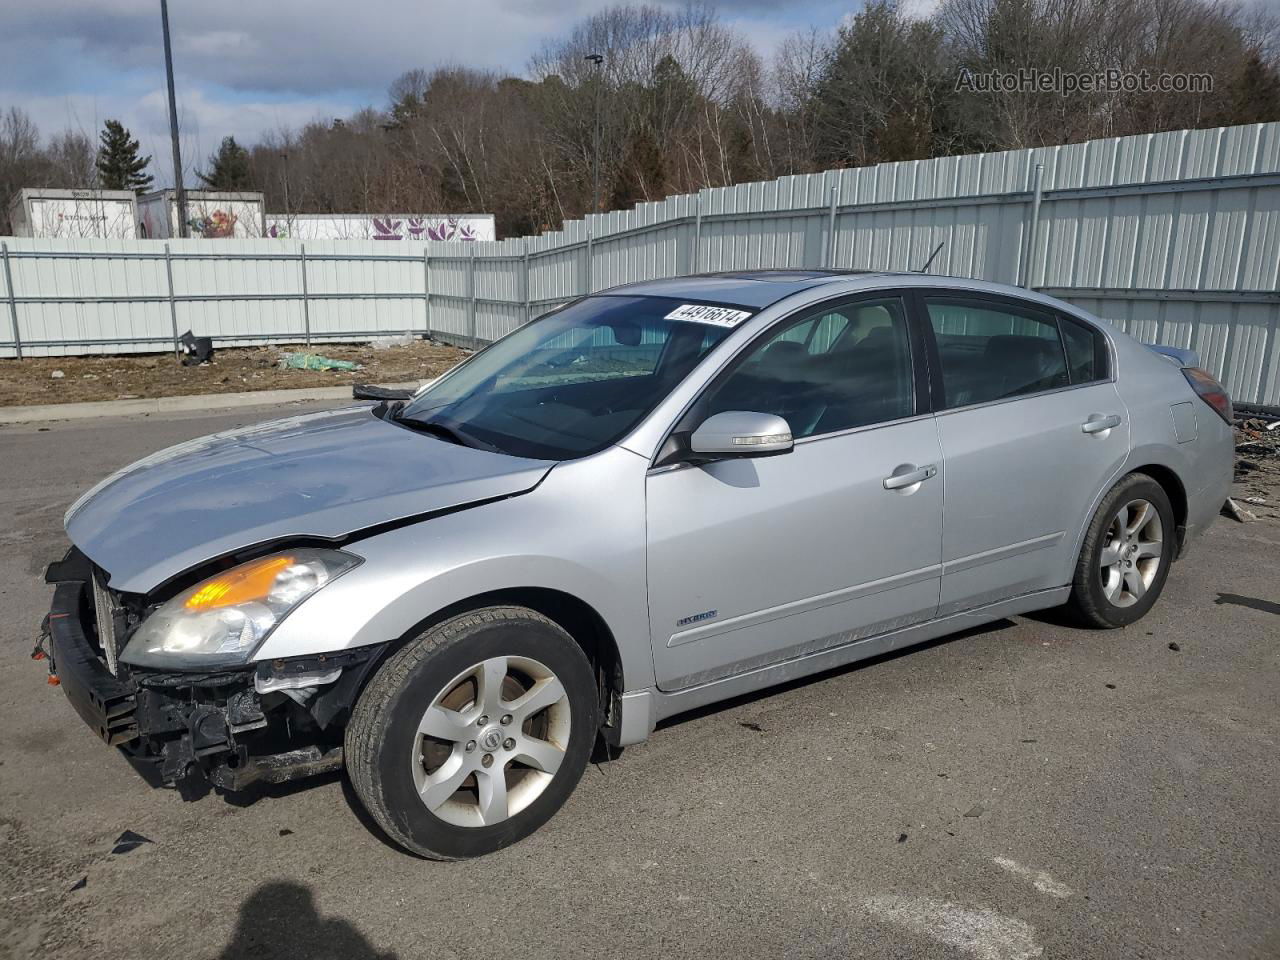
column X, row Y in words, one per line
column 1025, row 790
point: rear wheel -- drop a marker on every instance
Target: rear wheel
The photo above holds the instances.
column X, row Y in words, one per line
column 1125, row 558
column 473, row 735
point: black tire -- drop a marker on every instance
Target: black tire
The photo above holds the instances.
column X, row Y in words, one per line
column 1089, row 603
column 382, row 736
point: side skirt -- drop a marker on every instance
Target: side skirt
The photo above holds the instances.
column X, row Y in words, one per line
column 642, row 709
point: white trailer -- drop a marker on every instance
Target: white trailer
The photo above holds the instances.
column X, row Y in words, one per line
column 101, row 214
column 382, row 226
column 211, row 215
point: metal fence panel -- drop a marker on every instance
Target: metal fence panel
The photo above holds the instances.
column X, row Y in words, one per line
column 1173, row 237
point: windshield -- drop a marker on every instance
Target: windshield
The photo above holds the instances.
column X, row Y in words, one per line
column 574, row 381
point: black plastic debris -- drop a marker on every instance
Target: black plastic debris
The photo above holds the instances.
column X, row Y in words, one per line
column 1110, row 686
column 902, row 838
column 129, row 841
column 751, row 726
column 286, row 832
column 195, row 350
column 1174, row 647
column 369, row 391
column 79, row 884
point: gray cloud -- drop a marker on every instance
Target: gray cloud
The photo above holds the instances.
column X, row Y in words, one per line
column 246, row 67
column 282, row 46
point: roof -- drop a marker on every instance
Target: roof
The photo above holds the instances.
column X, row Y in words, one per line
column 47, row 193
column 747, row 288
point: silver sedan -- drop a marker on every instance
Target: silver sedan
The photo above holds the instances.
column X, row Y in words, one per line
column 648, row 500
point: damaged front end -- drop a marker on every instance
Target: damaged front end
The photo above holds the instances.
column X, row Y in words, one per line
column 271, row 721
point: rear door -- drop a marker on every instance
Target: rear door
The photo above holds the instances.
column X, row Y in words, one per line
column 754, row 561
column 1029, row 438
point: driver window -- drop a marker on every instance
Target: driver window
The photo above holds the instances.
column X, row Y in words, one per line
column 842, row 367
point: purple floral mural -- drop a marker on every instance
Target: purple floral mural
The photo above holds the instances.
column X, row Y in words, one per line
column 450, row 229
column 418, row 228
column 380, row 227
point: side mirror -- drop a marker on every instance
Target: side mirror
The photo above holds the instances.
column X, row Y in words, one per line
column 737, row 433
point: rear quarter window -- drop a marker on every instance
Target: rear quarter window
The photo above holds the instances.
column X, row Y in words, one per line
column 1087, row 357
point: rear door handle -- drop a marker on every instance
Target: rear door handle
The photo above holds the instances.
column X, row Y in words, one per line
column 1098, row 423
column 896, row 481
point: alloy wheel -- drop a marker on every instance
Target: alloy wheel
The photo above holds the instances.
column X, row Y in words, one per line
column 491, row 741
column 1132, row 553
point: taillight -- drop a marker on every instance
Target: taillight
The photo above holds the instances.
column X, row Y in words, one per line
column 1210, row 391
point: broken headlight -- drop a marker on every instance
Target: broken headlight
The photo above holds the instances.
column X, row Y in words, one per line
column 221, row 621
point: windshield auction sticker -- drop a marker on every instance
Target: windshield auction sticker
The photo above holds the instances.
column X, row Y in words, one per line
column 701, row 313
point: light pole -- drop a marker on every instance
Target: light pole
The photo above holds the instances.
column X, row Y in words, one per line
column 597, row 59
column 180, row 192
column 284, row 156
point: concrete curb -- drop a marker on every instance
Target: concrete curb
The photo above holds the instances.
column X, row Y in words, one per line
column 202, row 402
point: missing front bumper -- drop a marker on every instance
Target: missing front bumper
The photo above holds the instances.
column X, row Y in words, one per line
column 212, row 726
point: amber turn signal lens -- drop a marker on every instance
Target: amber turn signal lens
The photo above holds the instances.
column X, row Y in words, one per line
column 252, row 581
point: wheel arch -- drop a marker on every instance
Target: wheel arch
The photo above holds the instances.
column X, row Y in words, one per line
column 1174, row 488
column 572, row 614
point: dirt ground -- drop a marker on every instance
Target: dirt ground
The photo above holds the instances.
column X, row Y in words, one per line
column 232, row 370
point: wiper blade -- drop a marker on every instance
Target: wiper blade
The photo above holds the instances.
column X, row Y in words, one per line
column 443, row 431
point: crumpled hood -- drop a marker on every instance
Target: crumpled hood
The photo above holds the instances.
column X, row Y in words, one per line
column 318, row 475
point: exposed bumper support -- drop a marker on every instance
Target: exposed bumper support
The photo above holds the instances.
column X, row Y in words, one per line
column 106, row 704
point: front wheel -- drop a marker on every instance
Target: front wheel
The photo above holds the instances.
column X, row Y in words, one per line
column 1126, row 554
column 473, row 735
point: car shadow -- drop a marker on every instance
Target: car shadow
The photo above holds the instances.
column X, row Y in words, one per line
column 770, row 691
column 279, row 919
column 1253, row 603
column 1054, row 617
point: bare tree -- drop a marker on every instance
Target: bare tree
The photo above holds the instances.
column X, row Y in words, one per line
column 684, row 102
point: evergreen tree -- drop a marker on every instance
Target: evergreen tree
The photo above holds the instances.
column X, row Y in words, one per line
column 119, row 166
column 228, row 168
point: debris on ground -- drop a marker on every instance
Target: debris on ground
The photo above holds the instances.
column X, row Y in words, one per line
column 1236, row 512
column 315, row 361
column 1173, row 645
column 387, row 343
column 1258, row 439
column 233, row 370
column 369, row 391
column 57, row 375
column 902, row 838
column 79, row 884
column 129, row 841
column 195, row 350
column 975, row 811
column 1257, row 473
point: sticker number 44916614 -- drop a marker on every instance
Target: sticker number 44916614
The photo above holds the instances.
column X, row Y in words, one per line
column 701, row 313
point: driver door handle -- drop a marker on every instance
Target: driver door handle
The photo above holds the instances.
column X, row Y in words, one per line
column 897, row 481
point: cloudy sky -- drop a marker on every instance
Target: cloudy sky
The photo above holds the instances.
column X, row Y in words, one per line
column 245, row 67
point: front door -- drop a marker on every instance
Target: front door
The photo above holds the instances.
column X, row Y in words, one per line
column 753, row 561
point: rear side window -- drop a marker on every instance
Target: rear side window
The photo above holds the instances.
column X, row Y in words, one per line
column 991, row 351
column 1086, row 351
